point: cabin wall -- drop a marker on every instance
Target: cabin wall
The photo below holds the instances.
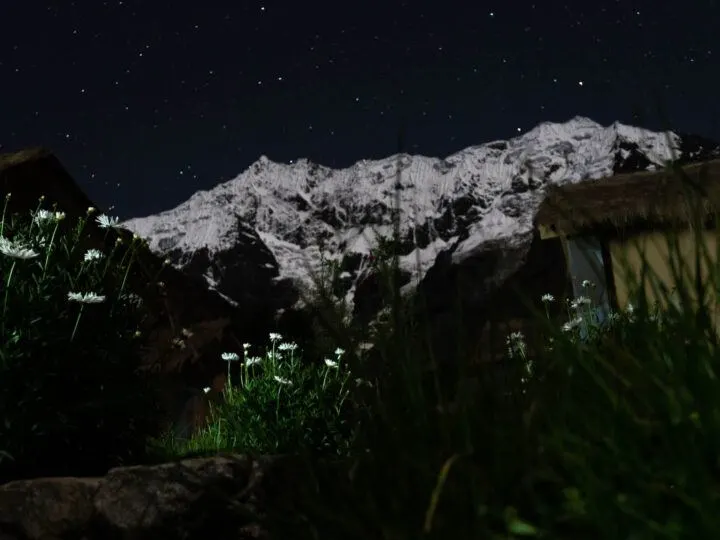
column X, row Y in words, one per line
column 627, row 254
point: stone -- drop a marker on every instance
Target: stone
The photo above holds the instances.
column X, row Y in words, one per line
column 223, row 496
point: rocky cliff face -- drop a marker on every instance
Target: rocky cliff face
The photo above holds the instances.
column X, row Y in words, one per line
column 260, row 238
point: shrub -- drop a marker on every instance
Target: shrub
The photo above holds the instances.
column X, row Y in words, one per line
column 277, row 403
column 71, row 399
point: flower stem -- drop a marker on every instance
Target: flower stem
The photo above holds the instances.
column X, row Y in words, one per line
column 277, row 405
column 77, row 321
column 7, row 292
column 50, row 247
column 127, row 270
column 2, row 220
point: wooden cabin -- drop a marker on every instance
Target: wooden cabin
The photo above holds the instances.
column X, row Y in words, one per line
column 608, row 227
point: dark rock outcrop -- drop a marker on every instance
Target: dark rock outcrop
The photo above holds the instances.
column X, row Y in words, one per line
column 225, row 496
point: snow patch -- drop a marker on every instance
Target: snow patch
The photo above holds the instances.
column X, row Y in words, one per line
column 305, row 212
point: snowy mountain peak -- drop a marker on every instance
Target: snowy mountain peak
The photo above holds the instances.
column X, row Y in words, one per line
column 302, row 213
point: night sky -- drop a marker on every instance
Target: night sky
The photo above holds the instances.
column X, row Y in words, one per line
column 148, row 101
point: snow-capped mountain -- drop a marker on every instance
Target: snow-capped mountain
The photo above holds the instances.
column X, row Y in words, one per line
column 275, row 223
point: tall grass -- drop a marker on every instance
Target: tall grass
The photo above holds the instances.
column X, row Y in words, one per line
column 606, row 430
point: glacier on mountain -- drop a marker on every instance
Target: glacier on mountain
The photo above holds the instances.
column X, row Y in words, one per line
column 302, row 213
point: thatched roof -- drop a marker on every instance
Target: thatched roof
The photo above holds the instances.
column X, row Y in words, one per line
column 10, row 159
column 653, row 197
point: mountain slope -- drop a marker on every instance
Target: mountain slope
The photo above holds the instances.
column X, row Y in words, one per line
column 275, row 223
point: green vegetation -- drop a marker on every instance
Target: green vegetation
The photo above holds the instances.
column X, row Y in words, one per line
column 601, row 430
column 70, row 400
column 278, row 405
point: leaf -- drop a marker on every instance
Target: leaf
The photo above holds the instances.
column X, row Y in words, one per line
column 521, row 528
column 517, row 526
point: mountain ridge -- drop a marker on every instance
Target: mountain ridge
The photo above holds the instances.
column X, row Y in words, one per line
column 275, row 223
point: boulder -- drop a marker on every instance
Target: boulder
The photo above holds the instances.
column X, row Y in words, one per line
column 223, row 496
